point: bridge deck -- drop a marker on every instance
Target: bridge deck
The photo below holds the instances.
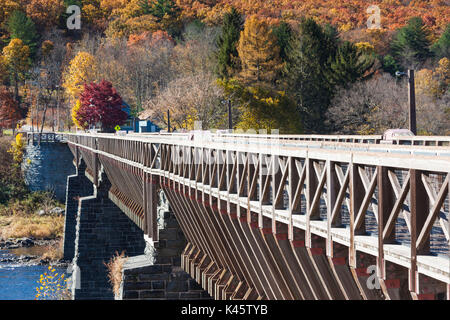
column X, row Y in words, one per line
column 300, row 187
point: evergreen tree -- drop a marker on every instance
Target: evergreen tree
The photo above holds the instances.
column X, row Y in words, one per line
column 411, row 45
column 331, row 40
column 145, row 6
column 308, row 72
column 441, row 48
column 349, row 65
column 227, row 54
column 161, row 8
column 21, row 27
column 283, row 33
column 390, row 65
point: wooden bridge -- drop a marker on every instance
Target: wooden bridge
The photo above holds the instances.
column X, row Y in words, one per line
column 290, row 217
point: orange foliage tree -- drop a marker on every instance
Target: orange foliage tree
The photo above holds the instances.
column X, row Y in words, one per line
column 10, row 112
column 45, row 13
column 345, row 14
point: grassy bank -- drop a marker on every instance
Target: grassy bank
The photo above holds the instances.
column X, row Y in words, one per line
column 25, row 214
column 38, row 227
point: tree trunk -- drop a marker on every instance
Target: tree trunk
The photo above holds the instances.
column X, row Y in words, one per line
column 53, row 119
column 16, row 90
column 43, row 119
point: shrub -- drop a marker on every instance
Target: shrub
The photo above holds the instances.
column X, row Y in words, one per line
column 54, row 252
column 16, row 149
column 115, row 268
column 52, row 286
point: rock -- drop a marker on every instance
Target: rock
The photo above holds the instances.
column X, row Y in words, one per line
column 57, row 210
column 41, row 212
column 25, row 242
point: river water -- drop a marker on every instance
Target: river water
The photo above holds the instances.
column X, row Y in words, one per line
column 18, row 281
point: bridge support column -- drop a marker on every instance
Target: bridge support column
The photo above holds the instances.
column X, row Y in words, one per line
column 157, row 274
column 78, row 186
column 102, row 230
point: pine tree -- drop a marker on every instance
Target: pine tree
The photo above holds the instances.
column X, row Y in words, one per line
column 161, row 8
column 283, row 33
column 259, row 53
column 145, row 6
column 227, row 54
column 441, row 48
column 308, row 70
column 411, row 45
column 21, row 27
column 349, row 65
column 390, row 65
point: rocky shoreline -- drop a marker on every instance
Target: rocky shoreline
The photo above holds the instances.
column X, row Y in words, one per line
column 27, row 259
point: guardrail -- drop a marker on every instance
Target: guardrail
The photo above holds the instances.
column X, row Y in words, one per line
column 37, row 137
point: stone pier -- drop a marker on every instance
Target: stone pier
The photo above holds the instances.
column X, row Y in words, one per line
column 102, row 229
column 46, row 167
column 157, row 274
column 78, row 186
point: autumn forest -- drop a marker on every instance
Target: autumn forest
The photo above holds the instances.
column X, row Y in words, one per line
column 300, row 66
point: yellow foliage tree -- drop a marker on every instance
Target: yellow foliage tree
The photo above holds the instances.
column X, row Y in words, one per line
column 123, row 27
column 17, row 60
column 124, row 8
column 442, row 73
column 74, row 114
column 16, row 149
column 259, row 53
column 434, row 83
column 17, row 55
column 3, row 69
column 425, row 83
column 365, row 47
column 82, row 69
column 109, row 6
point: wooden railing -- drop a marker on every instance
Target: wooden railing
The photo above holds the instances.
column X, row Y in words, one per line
column 36, row 137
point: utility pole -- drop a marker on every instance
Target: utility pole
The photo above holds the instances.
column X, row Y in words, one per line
column 230, row 119
column 412, row 102
column 168, row 120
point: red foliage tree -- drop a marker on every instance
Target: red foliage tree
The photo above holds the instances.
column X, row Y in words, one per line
column 10, row 112
column 100, row 103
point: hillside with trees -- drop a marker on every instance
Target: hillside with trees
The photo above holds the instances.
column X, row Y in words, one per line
column 298, row 66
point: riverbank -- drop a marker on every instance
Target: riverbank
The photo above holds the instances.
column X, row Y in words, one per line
column 31, row 223
column 30, row 252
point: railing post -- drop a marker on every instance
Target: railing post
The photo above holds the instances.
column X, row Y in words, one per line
column 95, row 161
column 293, row 183
column 312, row 183
column 385, row 205
column 332, row 191
column 419, row 207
